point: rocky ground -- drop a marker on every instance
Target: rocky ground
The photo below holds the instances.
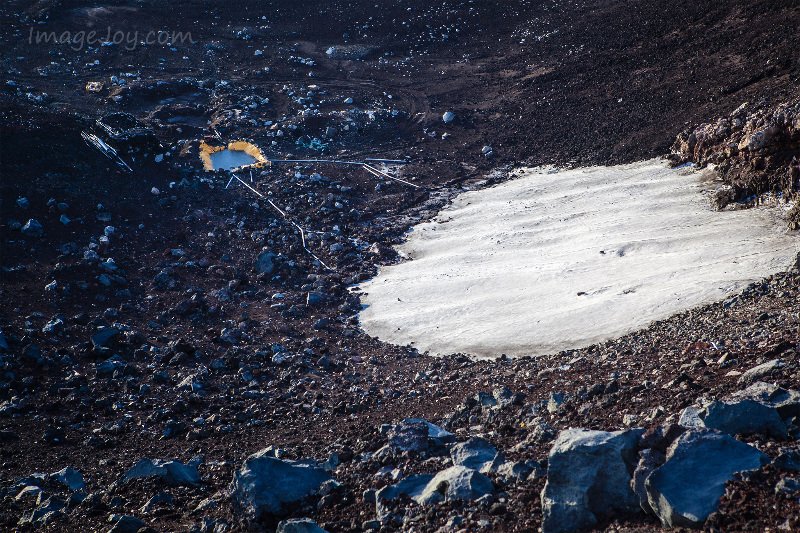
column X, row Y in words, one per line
column 159, row 328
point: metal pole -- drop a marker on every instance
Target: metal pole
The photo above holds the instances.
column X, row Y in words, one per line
column 290, row 221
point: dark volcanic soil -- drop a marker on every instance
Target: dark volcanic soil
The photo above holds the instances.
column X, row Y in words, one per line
column 537, row 82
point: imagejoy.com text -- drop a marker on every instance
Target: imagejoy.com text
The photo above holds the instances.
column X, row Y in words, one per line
column 130, row 39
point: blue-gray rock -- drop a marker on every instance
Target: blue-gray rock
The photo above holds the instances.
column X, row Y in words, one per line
column 109, row 366
column 474, row 453
column 687, row 487
column 505, row 396
column 434, row 431
column 70, row 477
column 32, row 228
column 299, row 525
column 53, row 327
column 105, row 338
column 413, row 487
column 555, row 402
column 485, row 400
column 762, row 371
column 265, row 263
column 455, row 483
column 172, row 473
column 649, row 460
column 409, row 436
column 788, row 486
column 690, row 417
column 45, row 512
column 191, row 383
column 263, row 485
column 786, row 402
column 788, row 459
column 127, row 524
column 517, row 470
column 746, row 417
column 162, row 497
column 588, row 475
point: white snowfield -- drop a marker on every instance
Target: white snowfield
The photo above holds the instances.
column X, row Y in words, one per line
column 557, row 260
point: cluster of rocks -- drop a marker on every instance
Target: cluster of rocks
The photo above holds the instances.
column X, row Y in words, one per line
column 754, row 150
column 676, row 472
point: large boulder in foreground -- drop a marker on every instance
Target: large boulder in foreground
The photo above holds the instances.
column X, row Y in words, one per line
column 687, row 488
column 589, row 475
column 264, row 485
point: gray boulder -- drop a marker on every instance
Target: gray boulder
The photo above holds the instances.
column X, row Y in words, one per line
column 519, row 470
column 690, row 417
column 745, row 417
column 172, row 473
column 69, row 477
column 46, row 511
column 32, row 228
column 299, row 525
column 105, row 338
column 687, row 488
column 738, row 414
column 474, row 453
column 589, row 474
column 762, row 371
column 413, row 487
column 265, row 263
column 649, row 460
column 788, row 459
column 127, row 524
column 263, row 485
column 434, row 431
column 409, row 436
column 786, row 402
column 455, row 483
column 788, row 486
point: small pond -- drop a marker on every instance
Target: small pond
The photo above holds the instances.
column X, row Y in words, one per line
column 230, row 159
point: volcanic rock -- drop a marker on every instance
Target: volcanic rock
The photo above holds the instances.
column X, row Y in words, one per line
column 588, row 475
column 264, row 485
column 687, row 488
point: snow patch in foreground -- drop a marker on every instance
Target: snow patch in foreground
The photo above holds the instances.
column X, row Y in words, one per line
column 558, row 260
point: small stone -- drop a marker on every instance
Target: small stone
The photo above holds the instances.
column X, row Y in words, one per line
column 299, row 525
column 54, row 327
column 32, row 228
column 448, row 117
column 127, row 524
column 70, row 477
column 172, row 473
column 475, row 453
column 788, row 486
